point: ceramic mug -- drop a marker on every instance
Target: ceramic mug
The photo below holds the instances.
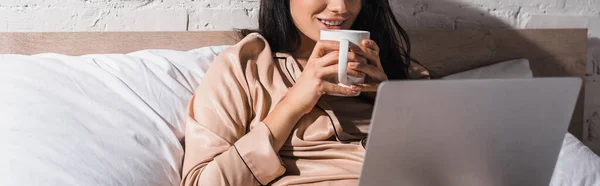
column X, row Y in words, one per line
column 345, row 37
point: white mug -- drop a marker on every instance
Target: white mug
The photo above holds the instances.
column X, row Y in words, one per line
column 345, row 37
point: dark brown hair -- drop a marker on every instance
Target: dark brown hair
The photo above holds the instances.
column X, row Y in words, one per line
column 275, row 24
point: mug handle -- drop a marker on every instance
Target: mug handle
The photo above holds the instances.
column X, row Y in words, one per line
column 343, row 62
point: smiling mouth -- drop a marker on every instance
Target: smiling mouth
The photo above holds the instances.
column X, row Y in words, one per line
column 331, row 23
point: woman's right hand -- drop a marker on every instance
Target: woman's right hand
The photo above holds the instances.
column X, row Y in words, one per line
column 316, row 79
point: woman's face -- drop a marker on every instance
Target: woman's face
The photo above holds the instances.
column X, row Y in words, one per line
column 311, row 16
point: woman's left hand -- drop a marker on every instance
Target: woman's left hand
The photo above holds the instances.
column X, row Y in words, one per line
column 371, row 68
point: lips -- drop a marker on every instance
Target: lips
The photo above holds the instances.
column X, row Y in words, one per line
column 331, row 22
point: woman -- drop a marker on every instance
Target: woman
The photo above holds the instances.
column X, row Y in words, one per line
column 262, row 114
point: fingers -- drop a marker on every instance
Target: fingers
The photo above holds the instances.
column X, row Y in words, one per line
column 368, row 47
column 328, row 52
column 368, row 87
column 354, row 72
column 332, row 71
column 368, row 69
column 332, row 58
column 323, row 47
column 328, row 59
column 336, row 89
column 371, row 52
column 362, row 60
column 355, row 57
column 356, row 49
column 370, row 44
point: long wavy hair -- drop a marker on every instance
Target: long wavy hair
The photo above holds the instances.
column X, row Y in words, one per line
column 275, row 24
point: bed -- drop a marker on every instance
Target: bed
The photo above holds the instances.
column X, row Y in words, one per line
column 116, row 100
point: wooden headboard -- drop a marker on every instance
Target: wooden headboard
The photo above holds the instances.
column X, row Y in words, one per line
column 552, row 52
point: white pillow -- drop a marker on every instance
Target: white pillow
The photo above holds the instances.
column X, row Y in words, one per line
column 576, row 165
column 102, row 119
column 518, row 68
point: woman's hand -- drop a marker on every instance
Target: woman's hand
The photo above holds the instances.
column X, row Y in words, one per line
column 372, row 69
column 318, row 77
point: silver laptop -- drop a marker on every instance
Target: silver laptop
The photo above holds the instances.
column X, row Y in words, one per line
column 468, row 132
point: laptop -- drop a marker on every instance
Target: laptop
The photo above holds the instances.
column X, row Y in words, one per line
column 468, row 132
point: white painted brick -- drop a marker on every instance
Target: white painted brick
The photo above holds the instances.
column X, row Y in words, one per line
column 476, row 14
column 223, row 19
column 581, row 5
column 437, row 14
column 552, row 21
column 163, row 4
column 431, row 20
column 595, row 6
column 509, row 3
column 406, row 20
column 540, row 4
column 592, row 115
column 64, row 19
column 145, row 19
column 54, row 19
column 593, row 65
column 73, row 3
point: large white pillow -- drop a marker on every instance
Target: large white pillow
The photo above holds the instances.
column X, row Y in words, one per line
column 102, row 119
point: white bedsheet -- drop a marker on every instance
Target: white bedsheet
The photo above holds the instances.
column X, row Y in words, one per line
column 115, row 119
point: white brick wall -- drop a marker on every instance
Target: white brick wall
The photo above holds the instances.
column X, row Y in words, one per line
column 126, row 15
column 180, row 15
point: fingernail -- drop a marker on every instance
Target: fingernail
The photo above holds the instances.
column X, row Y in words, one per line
column 352, row 65
column 354, row 88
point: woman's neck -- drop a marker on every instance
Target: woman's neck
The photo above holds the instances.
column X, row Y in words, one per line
column 304, row 50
